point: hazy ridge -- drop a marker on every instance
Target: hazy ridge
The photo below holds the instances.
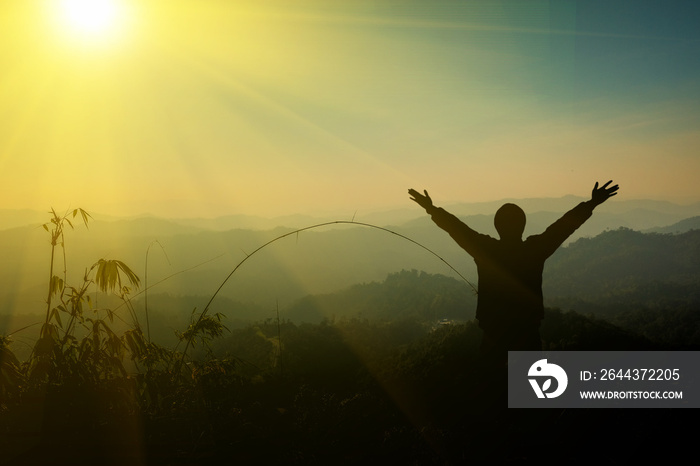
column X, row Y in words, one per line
column 192, row 257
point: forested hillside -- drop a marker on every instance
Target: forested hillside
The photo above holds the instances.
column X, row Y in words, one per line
column 391, row 365
column 402, row 295
column 648, row 283
column 627, row 262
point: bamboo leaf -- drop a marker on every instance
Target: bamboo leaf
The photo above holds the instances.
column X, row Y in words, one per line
column 96, row 335
column 55, row 314
column 8, row 358
column 114, row 278
column 131, row 343
column 116, row 362
column 130, row 275
column 85, row 349
column 44, row 346
column 108, row 330
column 86, row 216
column 56, row 284
column 48, row 330
column 109, row 275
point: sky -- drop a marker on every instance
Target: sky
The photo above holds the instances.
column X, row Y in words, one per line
column 200, row 108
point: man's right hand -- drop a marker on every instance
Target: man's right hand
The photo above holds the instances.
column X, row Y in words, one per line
column 423, row 201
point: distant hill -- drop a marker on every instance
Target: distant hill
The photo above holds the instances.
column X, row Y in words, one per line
column 402, row 295
column 635, row 214
column 192, row 257
column 646, row 322
column 645, row 283
column 13, row 218
column 250, row 222
column 688, row 224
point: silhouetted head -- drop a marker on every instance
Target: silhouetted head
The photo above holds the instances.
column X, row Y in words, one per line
column 510, row 222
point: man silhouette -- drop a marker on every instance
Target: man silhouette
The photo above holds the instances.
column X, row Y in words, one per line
column 509, row 304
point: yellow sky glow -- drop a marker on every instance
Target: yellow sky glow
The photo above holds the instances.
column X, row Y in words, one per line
column 280, row 107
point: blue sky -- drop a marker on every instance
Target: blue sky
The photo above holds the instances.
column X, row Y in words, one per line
column 209, row 107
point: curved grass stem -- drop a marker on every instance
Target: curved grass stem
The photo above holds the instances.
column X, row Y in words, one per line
column 296, row 232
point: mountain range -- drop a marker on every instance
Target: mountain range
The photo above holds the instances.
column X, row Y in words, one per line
column 193, row 257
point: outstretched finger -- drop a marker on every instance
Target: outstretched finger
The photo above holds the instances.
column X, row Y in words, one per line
column 606, row 184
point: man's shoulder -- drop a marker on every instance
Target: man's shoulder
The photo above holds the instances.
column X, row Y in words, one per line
column 536, row 241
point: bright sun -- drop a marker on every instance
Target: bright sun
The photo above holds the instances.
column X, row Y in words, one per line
column 90, row 18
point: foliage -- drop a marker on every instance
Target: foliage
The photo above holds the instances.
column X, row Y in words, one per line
column 405, row 294
column 374, row 379
column 77, row 345
column 669, row 326
column 11, row 376
column 626, row 264
column 570, row 331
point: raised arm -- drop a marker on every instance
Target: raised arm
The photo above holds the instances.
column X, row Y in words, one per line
column 458, row 230
column 560, row 230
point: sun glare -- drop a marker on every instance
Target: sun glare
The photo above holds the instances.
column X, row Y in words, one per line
column 90, row 18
